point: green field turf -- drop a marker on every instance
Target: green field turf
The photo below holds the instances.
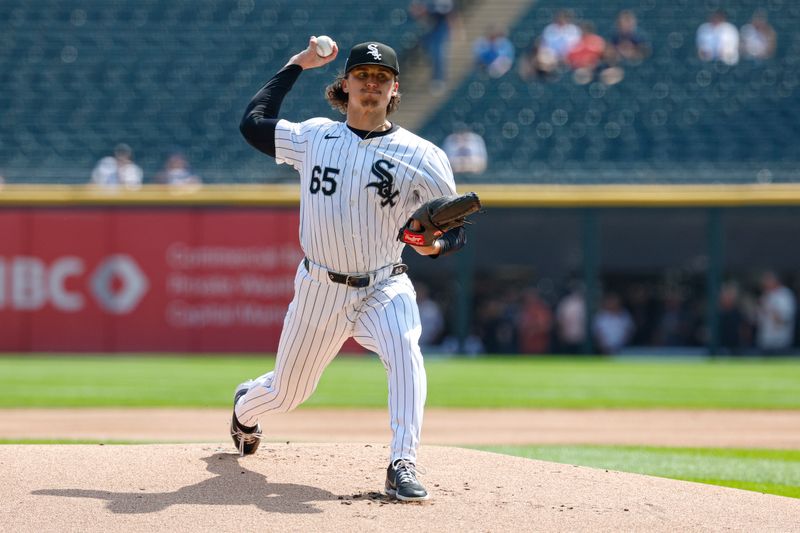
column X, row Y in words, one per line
column 768, row 471
column 36, row 381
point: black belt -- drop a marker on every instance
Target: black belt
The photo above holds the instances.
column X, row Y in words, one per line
column 357, row 281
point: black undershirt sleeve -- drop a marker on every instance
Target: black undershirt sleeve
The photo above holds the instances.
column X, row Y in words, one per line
column 452, row 241
column 261, row 116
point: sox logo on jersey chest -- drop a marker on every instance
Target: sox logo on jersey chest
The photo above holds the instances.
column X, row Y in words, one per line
column 385, row 183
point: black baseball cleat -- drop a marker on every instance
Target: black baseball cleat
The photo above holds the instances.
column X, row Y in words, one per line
column 401, row 482
column 246, row 439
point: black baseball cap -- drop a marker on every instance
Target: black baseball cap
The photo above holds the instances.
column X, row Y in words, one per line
column 372, row 53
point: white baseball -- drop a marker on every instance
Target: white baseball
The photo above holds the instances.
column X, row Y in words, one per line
column 324, row 46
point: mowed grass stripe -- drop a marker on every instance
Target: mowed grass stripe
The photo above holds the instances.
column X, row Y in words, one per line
column 768, row 471
column 532, row 382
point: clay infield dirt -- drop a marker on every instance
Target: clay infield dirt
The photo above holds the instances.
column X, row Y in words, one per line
column 335, row 487
column 302, row 485
column 656, row 427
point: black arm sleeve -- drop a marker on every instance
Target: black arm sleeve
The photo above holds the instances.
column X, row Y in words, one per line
column 261, row 116
column 451, row 242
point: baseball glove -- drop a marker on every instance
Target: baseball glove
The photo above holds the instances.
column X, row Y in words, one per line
column 432, row 219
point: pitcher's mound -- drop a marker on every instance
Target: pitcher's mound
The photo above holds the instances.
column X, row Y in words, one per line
column 338, row 487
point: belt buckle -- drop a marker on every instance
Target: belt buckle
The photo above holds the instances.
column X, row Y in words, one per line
column 355, row 281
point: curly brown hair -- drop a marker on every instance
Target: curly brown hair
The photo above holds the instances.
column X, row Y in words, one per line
column 337, row 98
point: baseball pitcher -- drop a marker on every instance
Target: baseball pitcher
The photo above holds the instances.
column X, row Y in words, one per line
column 368, row 188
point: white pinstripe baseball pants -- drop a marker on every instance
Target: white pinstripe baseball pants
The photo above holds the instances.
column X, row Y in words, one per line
column 383, row 318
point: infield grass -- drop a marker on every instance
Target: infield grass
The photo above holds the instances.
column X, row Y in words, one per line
column 768, row 471
column 360, row 382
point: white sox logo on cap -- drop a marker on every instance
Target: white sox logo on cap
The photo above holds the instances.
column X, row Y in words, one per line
column 372, row 53
column 373, row 50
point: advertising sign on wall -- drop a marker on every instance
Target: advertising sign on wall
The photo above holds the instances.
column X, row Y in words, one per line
column 145, row 279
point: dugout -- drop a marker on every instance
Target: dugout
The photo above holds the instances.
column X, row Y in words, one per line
column 620, row 238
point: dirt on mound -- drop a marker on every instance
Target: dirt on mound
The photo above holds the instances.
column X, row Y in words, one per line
column 657, row 427
column 336, row 487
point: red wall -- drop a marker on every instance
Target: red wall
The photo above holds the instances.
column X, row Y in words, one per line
column 145, row 279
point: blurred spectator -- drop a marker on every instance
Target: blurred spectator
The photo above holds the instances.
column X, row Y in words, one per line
column 440, row 18
column 534, row 324
column 466, row 151
column 493, row 52
column 626, row 46
column 472, row 345
column 119, row 169
column 776, row 313
column 585, row 56
column 643, row 309
column 675, row 325
column 550, row 51
column 733, row 326
column 560, row 36
column 718, row 40
column 176, row 171
column 431, row 317
column 612, row 326
column 498, row 325
column 758, row 37
column 571, row 322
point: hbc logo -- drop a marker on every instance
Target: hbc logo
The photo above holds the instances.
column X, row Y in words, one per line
column 27, row 283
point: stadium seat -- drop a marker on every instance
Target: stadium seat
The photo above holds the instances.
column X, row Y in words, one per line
column 698, row 121
column 79, row 76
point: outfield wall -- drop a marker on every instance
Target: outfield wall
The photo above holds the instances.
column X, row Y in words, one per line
column 210, row 269
column 106, row 279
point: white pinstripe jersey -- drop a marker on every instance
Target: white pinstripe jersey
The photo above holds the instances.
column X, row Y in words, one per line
column 357, row 193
